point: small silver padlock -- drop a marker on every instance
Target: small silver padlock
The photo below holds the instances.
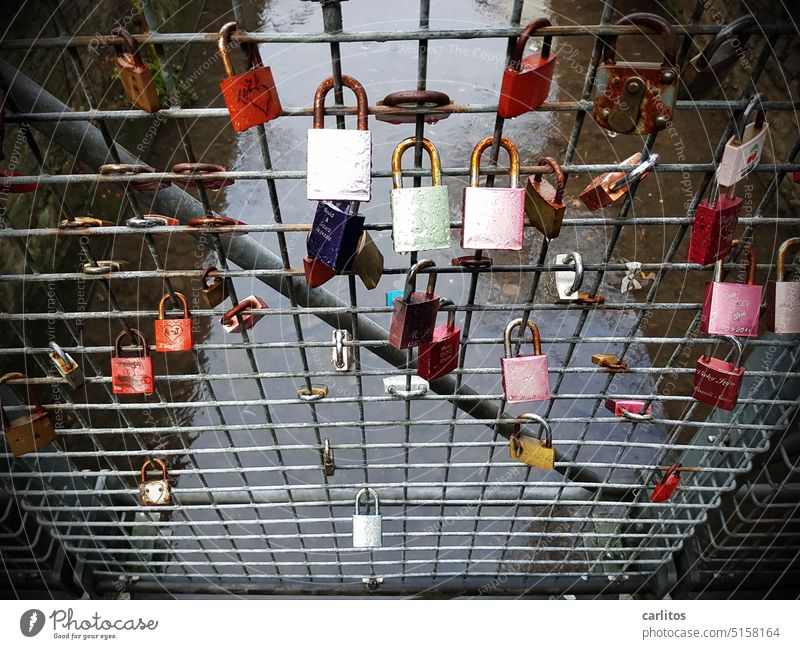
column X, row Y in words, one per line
column 367, row 528
column 569, row 281
column 342, row 357
column 743, row 151
column 67, row 366
column 396, row 386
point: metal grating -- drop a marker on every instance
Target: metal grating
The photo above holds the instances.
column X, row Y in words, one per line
column 254, row 512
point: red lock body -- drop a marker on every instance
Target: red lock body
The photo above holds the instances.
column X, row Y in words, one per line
column 316, row 272
column 414, row 317
column 440, row 356
column 713, row 229
column 527, row 80
column 132, row 374
column 667, row 485
column 230, row 322
column 251, row 97
column 173, row 335
column 717, row 382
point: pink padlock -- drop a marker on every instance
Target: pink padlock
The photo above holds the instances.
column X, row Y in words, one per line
column 525, row 378
column 732, row 309
column 630, row 406
column 230, row 322
column 783, row 297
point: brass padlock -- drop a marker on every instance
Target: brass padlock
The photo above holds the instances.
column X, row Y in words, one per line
column 155, row 492
column 544, row 204
column 137, row 79
column 530, row 451
column 31, row 431
column 368, row 261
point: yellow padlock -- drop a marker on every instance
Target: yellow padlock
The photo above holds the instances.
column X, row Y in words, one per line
column 532, row 451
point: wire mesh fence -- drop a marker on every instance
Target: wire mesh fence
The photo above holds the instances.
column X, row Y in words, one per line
column 267, row 444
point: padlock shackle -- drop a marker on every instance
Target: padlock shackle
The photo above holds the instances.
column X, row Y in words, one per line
column 222, row 45
column 559, row 174
column 673, row 469
column 575, row 259
column 205, row 275
column 33, row 397
column 537, row 341
column 339, row 336
column 130, row 47
column 181, row 297
column 755, row 103
column 751, row 261
column 635, row 174
column 736, row 28
column 66, row 359
column 244, row 305
column 411, row 278
column 397, row 155
column 780, row 273
column 367, row 491
column 361, row 101
column 737, row 346
column 529, row 416
column 451, row 315
column 136, row 335
column 516, row 59
column 643, row 19
column 154, row 461
column 475, row 160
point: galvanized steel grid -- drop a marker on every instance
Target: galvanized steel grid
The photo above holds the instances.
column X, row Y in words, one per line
column 480, row 537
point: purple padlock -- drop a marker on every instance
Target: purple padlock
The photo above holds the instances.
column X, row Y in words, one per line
column 334, row 235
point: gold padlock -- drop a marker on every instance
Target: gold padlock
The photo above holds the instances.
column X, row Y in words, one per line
column 31, row 431
column 368, row 261
column 610, row 363
column 532, row 451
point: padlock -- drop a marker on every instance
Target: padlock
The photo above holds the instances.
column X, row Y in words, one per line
column 494, row 217
column 714, row 226
column 31, row 431
column 568, row 282
column 216, row 292
column 525, row 378
column 230, row 321
column 440, row 356
column 66, row 366
column 705, row 72
column 339, row 161
column 667, row 485
column 368, row 262
column 532, row 451
column 783, row 298
column 610, row 363
column 405, row 387
column 132, row 374
column 173, row 335
column 610, row 187
column 328, row 460
column 622, row 406
column 155, row 492
column 717, row 382
column 527, row 79
column 137, row 79
column 334, row 235
column 409, row 104
column 731, row 309
column 637, row 97
column 21, row 188
column 251, row 97
column 743, row 151
column 392, row 295
column 316, row 272
column 367, row 528
column 414, row 316
column 544, row 204
column 343, row 357
column 420, row 215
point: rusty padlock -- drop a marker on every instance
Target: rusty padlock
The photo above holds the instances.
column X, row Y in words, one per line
column 783, row 297
column 137, row 79
column 230, row 321
column 66, row 366
column 174, row 334
column 533, row 452
column 610, row 187
column 216, row 292
column 414, row 316
column 31, row 431
column 155, row 492
column 525, row 378
column 132, row 374
column 544, row 204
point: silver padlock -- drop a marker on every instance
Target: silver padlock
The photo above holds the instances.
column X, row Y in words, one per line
column 569, row 281
column 743, row 151
column 367, row 528
column 342, row 357
column 67, row 366
column 396, row 386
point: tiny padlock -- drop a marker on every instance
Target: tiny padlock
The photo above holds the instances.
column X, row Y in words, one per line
column 527, row 79
column 334, row 235
column 231, row 320
column 328, row 460
column 251, row 97
column 493, row 217
column 610, row 363
column 622, row 406
column 743, row 151
column 705, row 72
column 343, row 356
column 339, row 161
column 544, row 204
column 66, row 366
column 610, row 187
column 137, row 79
column 216, row 292
column 783, row 297
column 132, row 374
column 368, row 262
column 316, row 272
column 667, row 485
column 173, row 334
column 420, row 215
column 568, row 282
column 532, row 451
column 714, row 226
column 637, row 97
column 440, row 356
column 717, row 382
column 414, row 316
column 731, row 309
column 367, row 528
column 31, row 431
column 525, row 378
column 405, row 387
column 155, row 492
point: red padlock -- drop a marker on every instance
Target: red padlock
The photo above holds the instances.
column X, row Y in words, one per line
column 316, row 272
column 414, row 315
column 717, row 382
column 440, row 356
column 251, row 97
column 173, row 335
column 713, row 228
column 132, row 374
column 526, row 81
column 230, row 322
column 667, row 485
column 23, row 188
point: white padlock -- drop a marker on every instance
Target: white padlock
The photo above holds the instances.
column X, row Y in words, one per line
column 568, row 282
column 743, row 151
column 367, row 528
column 396, row 386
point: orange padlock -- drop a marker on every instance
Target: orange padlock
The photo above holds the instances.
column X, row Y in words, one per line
column 173, row 335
